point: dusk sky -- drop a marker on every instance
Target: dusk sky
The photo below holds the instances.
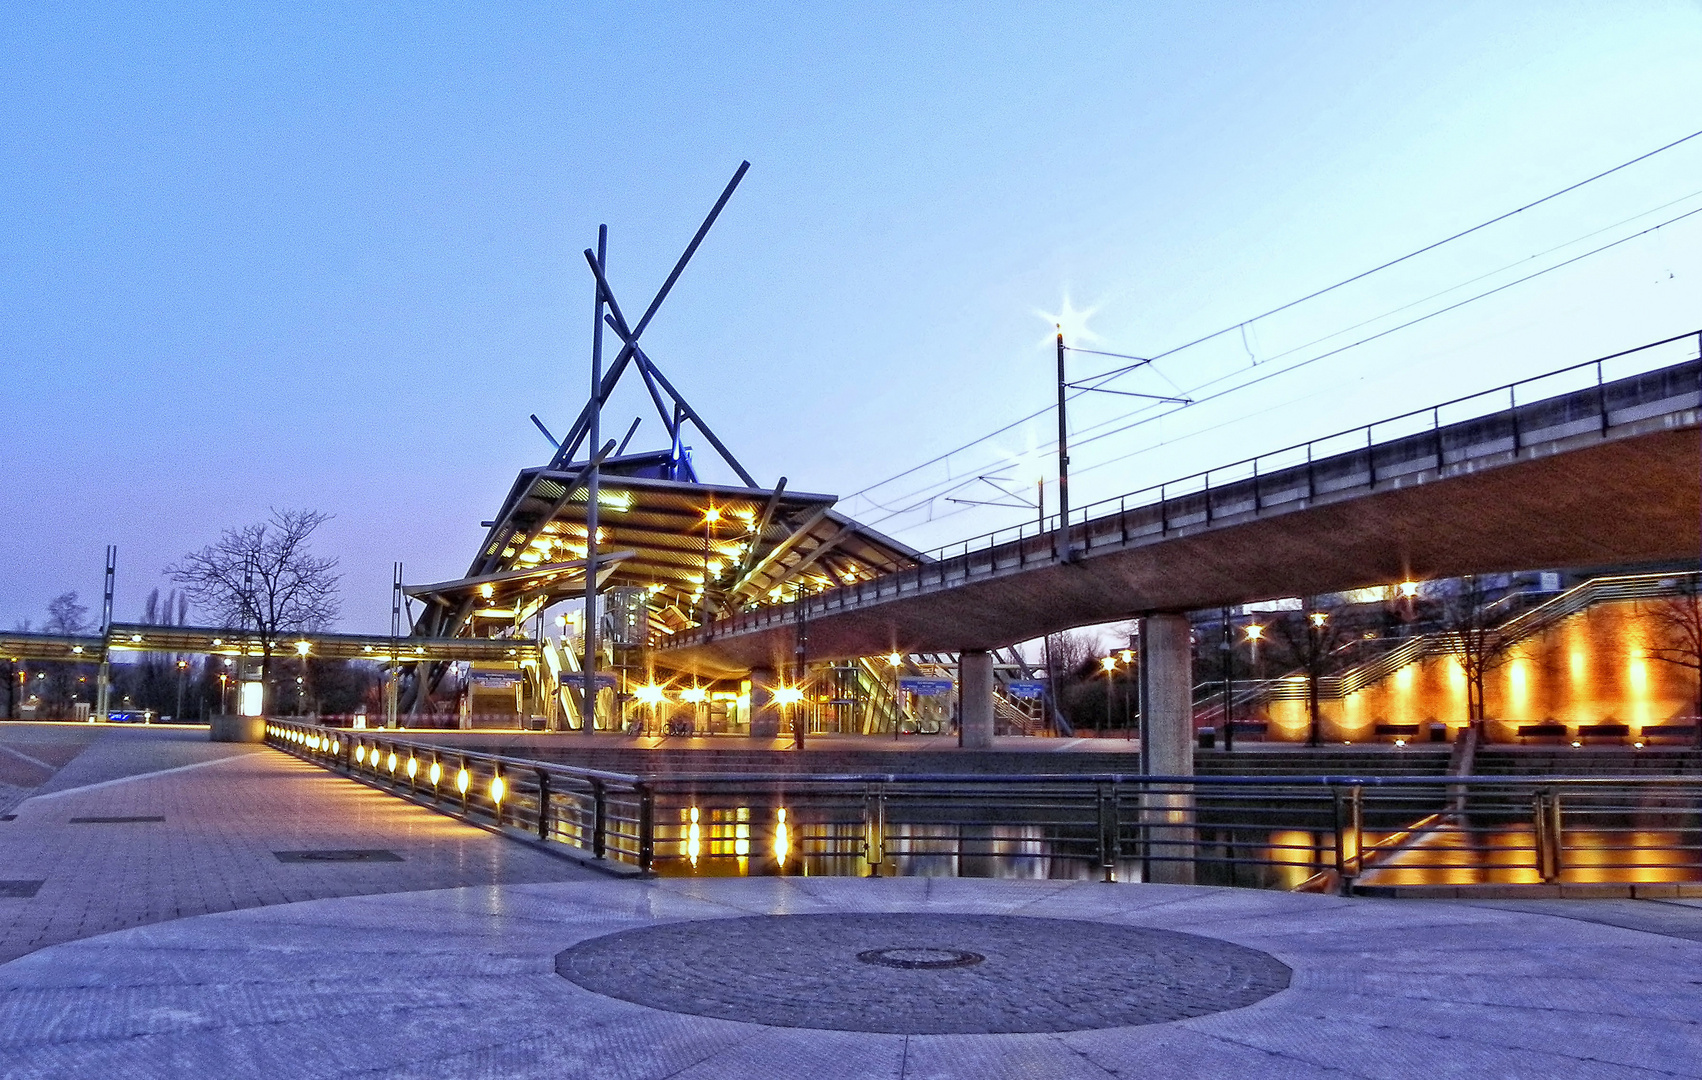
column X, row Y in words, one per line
column 328, row 256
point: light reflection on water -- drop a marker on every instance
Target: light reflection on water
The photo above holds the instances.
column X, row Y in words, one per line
column 718, row 842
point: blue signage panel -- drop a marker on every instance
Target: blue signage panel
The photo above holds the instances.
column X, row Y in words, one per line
column 1028, row 688
column 925, row 687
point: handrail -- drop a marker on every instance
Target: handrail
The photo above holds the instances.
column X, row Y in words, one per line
column 1113, row 823
column 935, row 564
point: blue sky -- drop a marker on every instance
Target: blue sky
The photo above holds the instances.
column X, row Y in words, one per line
column 328, row 255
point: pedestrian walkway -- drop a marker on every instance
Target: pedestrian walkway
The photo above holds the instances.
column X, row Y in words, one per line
column 775, row 977
column 233, row 911
column 145, row 825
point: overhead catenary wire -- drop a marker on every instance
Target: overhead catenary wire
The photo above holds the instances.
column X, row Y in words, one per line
column 1272, row 373
column 1149, row 361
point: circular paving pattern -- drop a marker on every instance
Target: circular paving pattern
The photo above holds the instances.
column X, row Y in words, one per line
column 938, row 973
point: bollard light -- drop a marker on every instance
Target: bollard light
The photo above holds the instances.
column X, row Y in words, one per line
column 436, row 773
column 392, row 761
column 498, row 788
column 782, row 842
column 413, row 766
column 463, row 780
column 360, row 755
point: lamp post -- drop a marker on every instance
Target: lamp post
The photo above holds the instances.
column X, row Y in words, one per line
column 1063, row 456
column 1109, row 664
column 182, row 666
column 710, row 517
column 893, row 661
column 1128, row 658
column 1315, row 621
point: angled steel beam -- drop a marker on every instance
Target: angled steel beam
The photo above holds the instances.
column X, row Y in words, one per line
column 630, row 432
column 779, row 551
column 576, row 435
column 539, row 424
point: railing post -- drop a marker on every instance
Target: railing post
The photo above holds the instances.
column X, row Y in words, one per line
column 1311, row 477
column 646, row 828
column 1163, row 513
column 1513, row 407
column 874, row 828
column 1436, row 428
column 1109, row 841
column 1256, row 506
column 1208, row 497
column 599, row 819
column 543, row 805
column 1370, row 460
column 1601, row 396
column 1546, row 826
column 1350, row 833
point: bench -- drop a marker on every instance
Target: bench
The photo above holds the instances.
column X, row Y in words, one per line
column 1609, row 730
column 1397, row 731
column 1669, row 731
column 1548, row 729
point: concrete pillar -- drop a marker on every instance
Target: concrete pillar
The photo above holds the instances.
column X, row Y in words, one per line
column 1167, row 744
column 765, row 715
column 975, row 698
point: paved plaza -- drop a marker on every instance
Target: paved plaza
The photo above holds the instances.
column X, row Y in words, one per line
column 189, row 946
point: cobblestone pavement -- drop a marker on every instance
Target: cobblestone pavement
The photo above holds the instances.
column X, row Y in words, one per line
column 463, row 983
column 924, row 973
column 226, row 810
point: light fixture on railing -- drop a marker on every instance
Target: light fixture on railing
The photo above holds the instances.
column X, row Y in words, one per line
column 463, row 780
column 435, row 773
column 413, row 766
column 392, row 761
column 360, row 755
column 498, row 789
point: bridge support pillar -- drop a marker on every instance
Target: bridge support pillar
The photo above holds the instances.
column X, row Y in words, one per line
column 975, row 698
column 765, row 715
column 1167, row 746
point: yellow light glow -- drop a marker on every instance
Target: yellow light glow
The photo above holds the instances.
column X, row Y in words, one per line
column 650, row 694
column 1409, row 589
column 694, row 838
column 303, row 647
column 360, row 755
column 894, row 659
column 463, row 780
column 782, row 841
column 435, row 773
column 1319, row 618
column 695, row 695
column 486, row 591
column 1109, row 663
column 392, row 761
column 1254, row 631
column 788, row 695
column 498, row 789
column 413, row 767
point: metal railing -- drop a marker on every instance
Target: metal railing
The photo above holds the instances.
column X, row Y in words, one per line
column 1295, row 474
column 1521, row 627
column 1338, row 832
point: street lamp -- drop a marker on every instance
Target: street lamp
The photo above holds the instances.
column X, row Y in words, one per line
column 893, row 661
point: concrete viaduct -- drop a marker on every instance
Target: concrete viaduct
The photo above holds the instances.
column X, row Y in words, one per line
column 1607, row 474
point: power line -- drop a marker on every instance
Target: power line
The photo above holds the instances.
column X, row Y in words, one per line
column 1144, row 361
column 1271, row 374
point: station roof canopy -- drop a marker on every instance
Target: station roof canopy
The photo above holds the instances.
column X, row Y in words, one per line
column 664, row 534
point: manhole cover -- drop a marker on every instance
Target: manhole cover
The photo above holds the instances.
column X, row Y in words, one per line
column 338, row 855
column 19, row 890
column 923, row 974
column 918, row 959
column 115, row 820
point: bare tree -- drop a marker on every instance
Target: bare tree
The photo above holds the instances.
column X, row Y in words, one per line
column 263, row 578
column 1471, row 623
column 1675, row 625
column 66, row 616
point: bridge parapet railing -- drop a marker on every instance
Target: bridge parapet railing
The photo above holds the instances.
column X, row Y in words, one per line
column 1264, row 831
column 1596, row 395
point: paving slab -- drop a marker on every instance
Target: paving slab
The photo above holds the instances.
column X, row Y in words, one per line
column 466, row 982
